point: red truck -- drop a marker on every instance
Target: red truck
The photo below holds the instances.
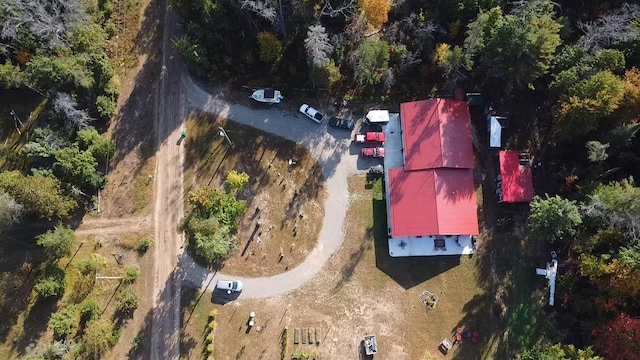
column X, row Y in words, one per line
column 370, row 137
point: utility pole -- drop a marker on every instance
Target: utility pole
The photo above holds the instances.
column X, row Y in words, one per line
column 224, row 134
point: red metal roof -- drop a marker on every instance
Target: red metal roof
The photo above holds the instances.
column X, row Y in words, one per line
column 517, row 183
column 432, row 202
column 436, row 133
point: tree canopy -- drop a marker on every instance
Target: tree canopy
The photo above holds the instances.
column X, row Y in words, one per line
column 517, row 47
column 554, row 218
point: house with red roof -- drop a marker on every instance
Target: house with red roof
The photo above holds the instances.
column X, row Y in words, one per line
column 430, row 190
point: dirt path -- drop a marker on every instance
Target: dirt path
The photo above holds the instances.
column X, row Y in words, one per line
column 113, row 225
column 168, row 202
column 179, row 94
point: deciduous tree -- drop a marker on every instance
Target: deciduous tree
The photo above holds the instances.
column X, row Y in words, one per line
column 97, row 336
column 558, row 352
column 371, row 61
column 554, row 218
column 64, row 322
column 78, row 168
column 619, row 339
column 40, row 195
column 51, row 282
column 588, row 103
column 617, row 206
column 11, row 76
column 65, row 73
column 57, row 243
column 270, row 46
column 516, row 47
column 375, row 12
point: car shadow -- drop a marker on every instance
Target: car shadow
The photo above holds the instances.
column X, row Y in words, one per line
column 221, row 297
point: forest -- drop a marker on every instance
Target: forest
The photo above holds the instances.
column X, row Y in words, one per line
column 565, row 73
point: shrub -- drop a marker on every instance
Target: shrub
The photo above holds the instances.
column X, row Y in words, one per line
column 210, row 348
column 212, row 325
column 127, row 302
column 237, row 180
column 212, row 315
column 137, row 341
column 144, row 244
column 90, row 310
column 51, row 281
column 91, row 264
column 97, row 336
column 105, row 106
column 209, row 338
column 115, row 336
column 130, row 275
column 64, row 322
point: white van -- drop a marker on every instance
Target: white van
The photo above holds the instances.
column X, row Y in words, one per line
column 229, row 286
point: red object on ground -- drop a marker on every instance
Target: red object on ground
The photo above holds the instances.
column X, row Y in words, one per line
column 459, row 337
column 475, row 334
column 459, row 330
column 474, row 340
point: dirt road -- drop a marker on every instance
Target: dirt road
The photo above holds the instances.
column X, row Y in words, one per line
column 168, row 202
column 177, row 95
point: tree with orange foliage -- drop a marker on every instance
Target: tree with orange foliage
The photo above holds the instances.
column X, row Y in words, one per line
column 630, row 104
column 618, row 339
column 375, row 12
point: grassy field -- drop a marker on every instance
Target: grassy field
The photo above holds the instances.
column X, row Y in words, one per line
column 361, row 290
column 26, row 317
column 285, row 203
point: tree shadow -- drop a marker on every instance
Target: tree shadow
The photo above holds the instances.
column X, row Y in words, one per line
column 35, row 323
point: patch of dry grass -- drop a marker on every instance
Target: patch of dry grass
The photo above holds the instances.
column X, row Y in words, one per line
column 290, row 198
column 361, row 290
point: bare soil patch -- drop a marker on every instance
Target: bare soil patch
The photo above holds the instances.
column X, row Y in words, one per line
column 361, row 290
column 285, row 202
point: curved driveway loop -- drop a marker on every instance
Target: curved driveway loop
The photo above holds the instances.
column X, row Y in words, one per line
column 337, row 165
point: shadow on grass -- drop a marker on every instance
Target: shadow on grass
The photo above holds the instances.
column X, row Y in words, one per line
column 509, row 312
column 406, row 271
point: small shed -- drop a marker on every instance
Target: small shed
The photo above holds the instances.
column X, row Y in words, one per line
column 516, row 180
column 495, row 132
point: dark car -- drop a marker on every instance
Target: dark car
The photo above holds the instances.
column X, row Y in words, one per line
column 342, row 123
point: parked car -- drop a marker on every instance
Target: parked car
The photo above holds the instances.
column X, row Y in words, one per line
column 342, row 123
column 229, row 285
column 370, row 137
column 312, row 113
column 376, row 170
column 377, row 152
